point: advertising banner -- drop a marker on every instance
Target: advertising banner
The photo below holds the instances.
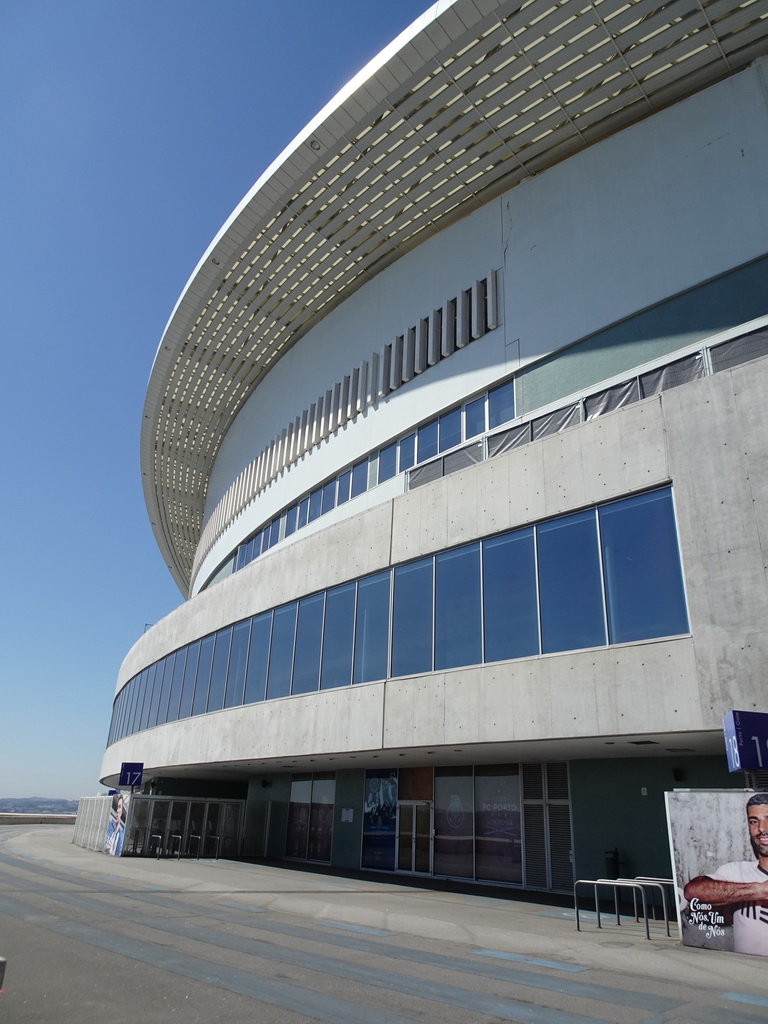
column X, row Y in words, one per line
column 113, row 843
column 719, row 841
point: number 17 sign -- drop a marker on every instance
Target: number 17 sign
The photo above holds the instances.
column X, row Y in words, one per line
column 746, row 740
column 131, row 773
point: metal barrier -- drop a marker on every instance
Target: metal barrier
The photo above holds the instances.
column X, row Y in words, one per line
column 199, row 844
column 634, row 885
column 174, row 837
column 217, row 841
column 648, row 883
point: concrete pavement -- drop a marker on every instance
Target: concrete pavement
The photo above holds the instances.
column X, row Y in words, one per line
column 502, row 931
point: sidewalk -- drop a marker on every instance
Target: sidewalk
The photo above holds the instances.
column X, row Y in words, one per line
column 517, row 927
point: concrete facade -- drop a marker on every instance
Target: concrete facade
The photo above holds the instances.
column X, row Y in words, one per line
column 641, row 249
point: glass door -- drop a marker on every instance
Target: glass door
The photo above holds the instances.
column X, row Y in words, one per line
column 415, row 831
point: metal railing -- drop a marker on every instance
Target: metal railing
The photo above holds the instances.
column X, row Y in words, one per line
column 637, row 886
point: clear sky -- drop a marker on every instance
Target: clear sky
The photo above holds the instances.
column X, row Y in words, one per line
column 129, row 131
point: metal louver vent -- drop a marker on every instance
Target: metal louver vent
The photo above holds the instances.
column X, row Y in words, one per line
column 533, row 784
column 535, row 846
column 557, row 780
column 561, row 867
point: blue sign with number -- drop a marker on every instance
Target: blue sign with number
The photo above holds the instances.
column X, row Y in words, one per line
column 131, row 773
column 746, row 740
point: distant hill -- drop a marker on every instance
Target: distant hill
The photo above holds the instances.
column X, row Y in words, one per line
column 36, row 805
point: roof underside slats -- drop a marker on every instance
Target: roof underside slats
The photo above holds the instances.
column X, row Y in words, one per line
column 455, row 117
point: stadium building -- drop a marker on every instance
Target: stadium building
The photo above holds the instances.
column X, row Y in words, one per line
column 455, row 443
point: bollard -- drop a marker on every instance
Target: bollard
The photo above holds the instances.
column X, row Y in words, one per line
column 2, row 971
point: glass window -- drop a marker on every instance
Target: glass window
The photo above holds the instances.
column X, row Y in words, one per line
column 412, row 618
column 372, row 628
column 454, row 822
column 315, row 504
column 387, row 462
column 449, row 429
column 407, row 446
column 329, row 496
column 165, row 693
column 641, row 564
column 242, row 556
column 509, row 596
column 498, row 831
column 427, row 441
column 281, row 652
column 345, row 484
column 258, row 657
column 309, row 630
column 570, row 589
column 290, row 520
column 274, row 532
column 457, row 608
column 298, row 817
column 156, row 693
column 303, row 513
column 379, row 820
column 219, row 669
column 190, row 672
column 203, row 676
column 237, row 664
column 321, row 816
column 501, row 404
column 338, row 636
column 178, row 678
column 359, row 478
column 474, row 418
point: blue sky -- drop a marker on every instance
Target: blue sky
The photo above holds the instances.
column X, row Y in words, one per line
column 129, row 133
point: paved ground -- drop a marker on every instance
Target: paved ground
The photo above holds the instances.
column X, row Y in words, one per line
column 97, row 940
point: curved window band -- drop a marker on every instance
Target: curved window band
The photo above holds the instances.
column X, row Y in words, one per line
column 609, row 574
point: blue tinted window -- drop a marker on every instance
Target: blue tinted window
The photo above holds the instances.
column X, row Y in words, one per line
column 303, row 513
column 142, row 710
column 359, row 478
column 509, row 596
column 387, row 462
column 274, row 532
column 449, row 429
column 237, row 664
column 190, row 671
column 281, row 652
column 290, row 520
column 242, row 555
column 345, row 484
column 641, row 563
column 457, row 608
column 372, row 628
column 178, row 678
column 329, row 496
column 203, row 676
column 309, row 630
column 157, row 691
column 407, row 452
column 570, row 590
column 258, row 657
column 474, row 417
column 501, row 404
column 337, row 637
column 315, row 504
column 427, row 438
column 219, row 669
column 412, row 619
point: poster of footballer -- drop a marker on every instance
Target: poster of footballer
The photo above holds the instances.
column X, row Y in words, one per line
column 719, row 841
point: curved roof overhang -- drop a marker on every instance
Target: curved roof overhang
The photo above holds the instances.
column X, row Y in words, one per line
column 474, row 97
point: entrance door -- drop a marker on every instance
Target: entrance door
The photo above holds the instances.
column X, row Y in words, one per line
column 415, row 830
